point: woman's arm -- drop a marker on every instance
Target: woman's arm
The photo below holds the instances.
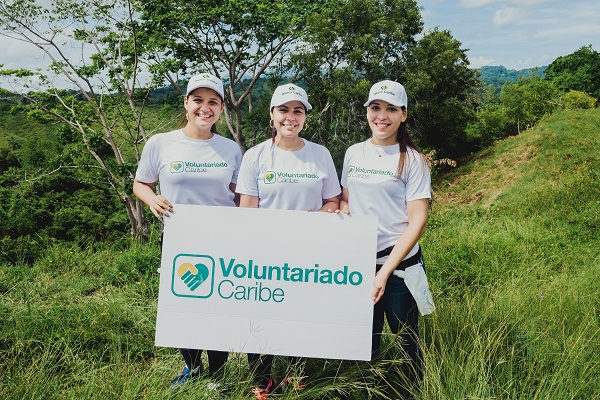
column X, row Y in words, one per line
column 158, row 204
column 417, row 222
column 344, row 208
column 236, row 196
column 248, row 201
column 331, row 204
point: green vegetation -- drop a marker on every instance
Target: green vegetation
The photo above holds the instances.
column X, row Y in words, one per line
column 512, row 242
column 134, row 53
column 498, row 76
column 577, row 71
column 512, row 257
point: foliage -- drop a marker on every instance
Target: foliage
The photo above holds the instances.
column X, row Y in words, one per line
column 497, row 76
column 233, row 39
column 443, row 89
column 493, row 122
column 103, row 103
column 577, row 71
column 355, row 43
column 46, row 195
column 511, row 252
column 349, row 45
column 528, row 100
column 576, row 99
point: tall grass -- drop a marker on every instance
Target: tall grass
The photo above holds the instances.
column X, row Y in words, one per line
column 513, row 260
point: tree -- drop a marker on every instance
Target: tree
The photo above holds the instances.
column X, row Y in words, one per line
column 442, row 87
column 349, row 45
column 577, row 71
column 237, row 40
column 95, row 51
column 354, row 43
column 576, row 99
column 528, row 100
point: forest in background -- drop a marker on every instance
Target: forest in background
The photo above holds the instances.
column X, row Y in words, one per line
column 511, row 245
column 512, row 260
column 95, row 128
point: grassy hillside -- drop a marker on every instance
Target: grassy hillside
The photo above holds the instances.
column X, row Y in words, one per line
column 513, row 251
column 513, row 259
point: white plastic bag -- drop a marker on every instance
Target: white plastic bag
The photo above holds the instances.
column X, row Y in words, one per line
column 416, row 282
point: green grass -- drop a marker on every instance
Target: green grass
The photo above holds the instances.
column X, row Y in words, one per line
column 513, row 260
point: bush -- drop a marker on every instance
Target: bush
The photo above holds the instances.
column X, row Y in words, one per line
column 576, row 99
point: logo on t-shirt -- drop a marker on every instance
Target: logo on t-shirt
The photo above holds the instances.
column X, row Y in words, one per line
column 366, row 173
column 269, row 177
column 286, row 177
column 176, row 167
column 192, row 166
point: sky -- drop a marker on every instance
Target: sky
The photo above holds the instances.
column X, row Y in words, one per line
column 516, row 34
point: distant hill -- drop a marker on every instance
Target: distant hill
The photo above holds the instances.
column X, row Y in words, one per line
column 499, row 75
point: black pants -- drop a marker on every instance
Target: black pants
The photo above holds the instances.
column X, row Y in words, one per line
column 216, row 360
column 261, row 365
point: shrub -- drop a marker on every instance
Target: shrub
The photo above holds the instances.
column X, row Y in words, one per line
column 576, row 99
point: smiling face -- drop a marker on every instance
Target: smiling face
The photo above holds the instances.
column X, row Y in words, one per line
column 288, row 118
column 384, row 120
column 204, row 107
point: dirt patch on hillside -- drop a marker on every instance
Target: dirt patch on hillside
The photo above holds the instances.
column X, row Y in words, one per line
column 488, row 178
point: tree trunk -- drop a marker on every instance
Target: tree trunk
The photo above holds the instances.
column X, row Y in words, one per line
column 140, row 226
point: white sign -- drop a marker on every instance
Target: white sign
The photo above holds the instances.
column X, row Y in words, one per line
column 267, row 281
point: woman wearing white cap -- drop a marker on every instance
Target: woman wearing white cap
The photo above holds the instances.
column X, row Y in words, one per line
column 387, row 176
column 164, row 159
column 286, row 172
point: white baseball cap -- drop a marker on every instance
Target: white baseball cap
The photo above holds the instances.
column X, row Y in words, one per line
column 388, row 91
column 289, row 92
column 205, row 80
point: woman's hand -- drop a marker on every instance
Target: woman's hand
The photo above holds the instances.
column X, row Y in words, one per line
column 379, row 286
column 343, row 210
column 160, row 206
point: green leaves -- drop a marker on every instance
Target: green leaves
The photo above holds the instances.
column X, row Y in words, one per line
column 577, row 71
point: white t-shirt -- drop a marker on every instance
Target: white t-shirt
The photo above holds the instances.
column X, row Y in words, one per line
column 369, row 174
column 191, row 171
column 288, row 180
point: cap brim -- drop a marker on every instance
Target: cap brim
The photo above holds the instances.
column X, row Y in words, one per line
column 387, row 100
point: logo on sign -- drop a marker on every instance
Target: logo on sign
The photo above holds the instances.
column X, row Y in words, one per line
column 193, row 275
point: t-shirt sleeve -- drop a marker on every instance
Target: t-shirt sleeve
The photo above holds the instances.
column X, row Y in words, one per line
column 418, row 179
column 331, row 186
column 247, row 179
column 344, row 179
column 238, row 162
column 148, row 167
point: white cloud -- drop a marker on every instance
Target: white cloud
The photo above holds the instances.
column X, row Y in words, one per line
column 476, row 3
column 576, row 31
column 483, row 3
column 480, row 61
column 507, row 16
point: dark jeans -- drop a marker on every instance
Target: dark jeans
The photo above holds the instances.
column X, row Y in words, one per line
column 398, row 306
column 216, row 360
column 261, row 365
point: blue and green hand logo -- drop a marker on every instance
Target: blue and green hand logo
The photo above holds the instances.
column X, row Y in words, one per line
column 193, row 275
column 176, row 166
column 269, row 177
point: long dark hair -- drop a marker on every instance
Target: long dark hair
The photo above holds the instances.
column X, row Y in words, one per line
column 405, row 142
